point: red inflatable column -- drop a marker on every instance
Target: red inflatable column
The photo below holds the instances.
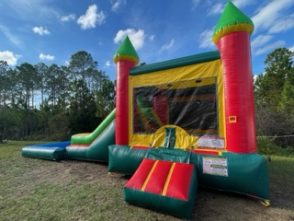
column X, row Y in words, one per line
column 125, row 58
column 232, row 36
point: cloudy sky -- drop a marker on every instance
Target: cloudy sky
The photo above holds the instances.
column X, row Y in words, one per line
column 51, row 30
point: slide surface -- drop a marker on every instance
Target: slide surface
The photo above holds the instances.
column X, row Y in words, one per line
column 88, row 138
column 93, row 146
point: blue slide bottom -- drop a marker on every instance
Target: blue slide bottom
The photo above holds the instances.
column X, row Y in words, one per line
column 48, row 151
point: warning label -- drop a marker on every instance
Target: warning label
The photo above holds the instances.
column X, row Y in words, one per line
column 210, row 142
column 215, row 166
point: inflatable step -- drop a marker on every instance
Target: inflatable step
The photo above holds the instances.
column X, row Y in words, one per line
column 164, row 186
column 51, row 151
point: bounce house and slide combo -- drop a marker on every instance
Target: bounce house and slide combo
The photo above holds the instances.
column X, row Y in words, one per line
column 179, row 124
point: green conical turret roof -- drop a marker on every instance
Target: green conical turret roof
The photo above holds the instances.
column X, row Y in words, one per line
column 126, row 51
column 232, row 20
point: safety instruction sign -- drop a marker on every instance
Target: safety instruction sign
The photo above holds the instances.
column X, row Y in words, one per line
column 211, row 142
column 215, row 166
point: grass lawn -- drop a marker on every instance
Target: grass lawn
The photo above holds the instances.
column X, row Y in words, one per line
column 32, row 189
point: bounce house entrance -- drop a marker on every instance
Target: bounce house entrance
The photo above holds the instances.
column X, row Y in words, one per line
column 188, row 105
column 170, row 138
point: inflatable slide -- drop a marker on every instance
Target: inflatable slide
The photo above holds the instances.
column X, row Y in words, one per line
column 89, row 147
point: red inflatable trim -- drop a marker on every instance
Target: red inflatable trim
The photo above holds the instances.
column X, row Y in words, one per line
column 179, row 184
column 158, row 177
column 139, row 177
column 165, row 178
column 209, row 152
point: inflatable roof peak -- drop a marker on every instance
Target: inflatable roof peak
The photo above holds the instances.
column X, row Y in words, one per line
column 126, row 51
column 232, row 20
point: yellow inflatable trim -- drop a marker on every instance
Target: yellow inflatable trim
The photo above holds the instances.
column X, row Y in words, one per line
column 234, row 28
column 181, row 77
column 183, row 139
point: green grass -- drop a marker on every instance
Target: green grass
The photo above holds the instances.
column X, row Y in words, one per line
column 32, row 189
column 269, row 148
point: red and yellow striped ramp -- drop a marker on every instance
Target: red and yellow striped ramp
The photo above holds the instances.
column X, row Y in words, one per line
column 164, row 186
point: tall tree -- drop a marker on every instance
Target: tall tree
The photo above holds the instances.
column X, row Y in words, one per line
column 42, row 71
column 274, row 91
column 14, row 91
column 28, row 79
column 82, row 66
column 279, row 69
column 4, row 68
column 56, row 83
column 82, row 108
column 105, row 98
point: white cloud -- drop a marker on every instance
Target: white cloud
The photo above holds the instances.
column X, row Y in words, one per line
column 195, row 3
column 205, row 39
column 260, row 40
column 216, row 9
column 91, row 18
column 255, row 77
column 29, row 10
column 66, row 63
column 269, row 14
column 116, row 4
column 11, row 37
column 283, row 24
column 167, row 46
column 9, row 57
column 67, row 18
column 243, row 3
column 151, row 37
column 46, row 57
column 107, row 63
column 40, row 30
column 292, row 48
column 137, row 37
column 270, row 47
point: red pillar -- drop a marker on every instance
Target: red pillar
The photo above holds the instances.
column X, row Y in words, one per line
column 238, row 92
column 122, row 101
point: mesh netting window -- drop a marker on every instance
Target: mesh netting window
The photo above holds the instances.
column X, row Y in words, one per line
column 190, row 105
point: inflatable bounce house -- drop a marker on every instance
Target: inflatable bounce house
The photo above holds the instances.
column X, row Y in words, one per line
column 178, row 124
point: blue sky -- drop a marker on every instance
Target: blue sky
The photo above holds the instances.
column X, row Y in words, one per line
column 51, row 30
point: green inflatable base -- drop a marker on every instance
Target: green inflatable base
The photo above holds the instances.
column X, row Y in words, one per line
column 168, row 205
column 123, row 159
column 245, row 174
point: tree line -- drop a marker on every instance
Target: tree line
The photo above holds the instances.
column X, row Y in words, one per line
column 51, row 102
column 274, row 97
